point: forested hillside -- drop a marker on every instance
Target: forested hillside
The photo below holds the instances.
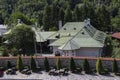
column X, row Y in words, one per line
column 104, row 14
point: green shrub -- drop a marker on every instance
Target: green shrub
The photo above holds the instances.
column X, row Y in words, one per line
column 99, row 66
column 9, row 65
column 58, row 64
column 86, row 66
column 72, row 66
column 114, row 66
column 14, row 51
column 46, row 64
column 19, row 64
column 33, row 64
column 5, row 53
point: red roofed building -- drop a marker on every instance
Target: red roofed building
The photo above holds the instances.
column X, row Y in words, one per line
column 116, row 35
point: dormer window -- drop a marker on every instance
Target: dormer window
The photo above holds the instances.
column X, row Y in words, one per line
column 64, row 28
column 82, row 33
column 57, row 36
column 74, row 28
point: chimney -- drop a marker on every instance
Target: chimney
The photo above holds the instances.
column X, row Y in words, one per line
column 88, row 21
column 85, row 22
column 60, row 24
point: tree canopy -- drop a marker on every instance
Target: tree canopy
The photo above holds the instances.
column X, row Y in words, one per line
column 22, row 37
column 104, row 14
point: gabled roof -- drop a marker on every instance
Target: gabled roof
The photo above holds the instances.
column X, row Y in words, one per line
column 60, row 41
column 70, row 28
column 42, row 36
column 70, row 45
column 83, row 36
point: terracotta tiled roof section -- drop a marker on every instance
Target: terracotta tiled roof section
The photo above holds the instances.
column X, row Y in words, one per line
column 116, row 35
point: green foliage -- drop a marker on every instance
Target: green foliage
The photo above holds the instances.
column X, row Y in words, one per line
column 99, row 66
column 19, row 64
column 47, row 17
column 9, row 65
column 22, row 17
column 58, row 64
column 14, row 51
column 115, row 23
column 108, row 47
column 103, row 20
column 5, row 53
column 99, row 11
column 61, row 14
column 77, row 15
column 20, row 36
column 33, row 64
column 46, row 64
column 86, row 66
column 72, row 66
column 68, row 15
column 114, row 66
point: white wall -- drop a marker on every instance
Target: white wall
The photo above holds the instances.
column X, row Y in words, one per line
column 88, row 52
column 55, row 48
column 95, row 52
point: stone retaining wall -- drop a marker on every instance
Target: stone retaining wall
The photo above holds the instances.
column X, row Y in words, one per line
column 107, row 62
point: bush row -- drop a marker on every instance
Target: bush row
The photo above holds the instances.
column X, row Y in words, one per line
column 72, row 65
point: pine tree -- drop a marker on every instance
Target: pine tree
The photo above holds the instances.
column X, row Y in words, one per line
column 72, row 66
column 68, row 15
column 47, row 17
column 9, row 65
column 46, row 64
column 58, row 64
column 114, row 66
column 61, row 14
column 19, row 64
column 108, row 47
column 77, row 14
column 103, row 18
column 86, row 66
column 32, row 64
column 99, row 66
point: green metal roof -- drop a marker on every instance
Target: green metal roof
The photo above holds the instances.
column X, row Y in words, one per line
column 42, row 36
column 70, row 45
column 60, row 41
column 70, row 28
column 81, row 36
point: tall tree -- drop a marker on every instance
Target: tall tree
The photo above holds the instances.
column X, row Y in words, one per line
column 33, row 65
column 46, row 64
column 22, row 37
column 108, row 47
column 103, row 18
column 22, row 17
column 72, row 65
column 55, row 13
column 47, row 18
column 68, row 15
column 19, row 63
column 99, row 66
column 61, row 14
column 114, row 66
column 77, row 14
column 58, row 64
